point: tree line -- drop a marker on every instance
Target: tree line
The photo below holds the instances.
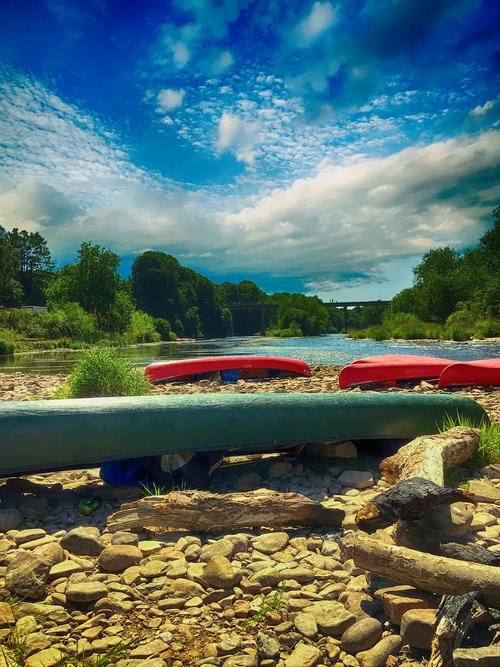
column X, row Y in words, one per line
column 161, row 299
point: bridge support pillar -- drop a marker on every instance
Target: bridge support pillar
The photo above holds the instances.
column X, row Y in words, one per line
column 345, row 319
column 262, row 323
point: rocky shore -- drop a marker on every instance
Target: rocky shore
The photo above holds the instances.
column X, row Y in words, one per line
column 287, row 598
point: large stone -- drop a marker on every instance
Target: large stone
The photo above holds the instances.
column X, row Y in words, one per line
column 10, row 519
column 83, row 541
column 86, row 591
column 331, row 617
column 356, row 479
column 417, row 627
column 400, row 599
column 362, row 635
column 485, row 656
column 186, row 588
column 241, row 661
column 303, row 655
column 53, row 553
column 118, row 557
column 270, row 543
column 219, row 573
column 219, row 548
column 306, row 625
column 454, row 519
column 26, row 576
column 46, row 658
column 6, row 615
column 150, row 649
column 268, row 645
column 484, row 491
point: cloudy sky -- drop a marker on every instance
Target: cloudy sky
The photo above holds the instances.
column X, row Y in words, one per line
column 319, row 147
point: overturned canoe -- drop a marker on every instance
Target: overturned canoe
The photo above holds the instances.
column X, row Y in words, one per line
column 60, row 434
column 231, row 368
column 391, row 369
column 481, row 372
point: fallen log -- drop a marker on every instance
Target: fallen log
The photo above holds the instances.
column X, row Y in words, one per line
column 454, row 617
column 205, row 511
column 429, row 455
column 437, row 574
column 470, row 552
column 410, row 499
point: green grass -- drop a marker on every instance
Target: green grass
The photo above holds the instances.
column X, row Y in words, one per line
column 488, row 449
column 101, row 372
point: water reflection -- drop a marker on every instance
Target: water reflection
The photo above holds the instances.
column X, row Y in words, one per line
column 330, row 349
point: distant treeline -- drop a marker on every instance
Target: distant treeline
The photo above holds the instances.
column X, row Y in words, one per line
column 454, row 295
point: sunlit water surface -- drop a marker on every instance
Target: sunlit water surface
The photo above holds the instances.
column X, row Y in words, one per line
column 330, row 349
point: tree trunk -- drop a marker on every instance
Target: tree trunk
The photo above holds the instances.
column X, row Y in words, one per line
column 436, row 574
column 205, row 511
column 429, row 455
column 455, row 615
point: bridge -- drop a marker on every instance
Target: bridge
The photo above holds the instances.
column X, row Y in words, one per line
column 263, row 307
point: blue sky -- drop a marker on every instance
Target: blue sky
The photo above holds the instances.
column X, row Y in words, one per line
column 319, row 147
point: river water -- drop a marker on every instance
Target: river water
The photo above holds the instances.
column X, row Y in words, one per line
column 330, row 349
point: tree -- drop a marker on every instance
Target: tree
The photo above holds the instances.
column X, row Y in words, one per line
column 306, row 313
column 35, row 263
column 11, row 291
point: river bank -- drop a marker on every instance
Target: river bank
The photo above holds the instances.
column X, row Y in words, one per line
column 257, row 598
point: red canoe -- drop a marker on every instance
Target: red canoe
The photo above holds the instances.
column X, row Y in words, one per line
column 482, row 372
column 389, row 369
column 232, row 368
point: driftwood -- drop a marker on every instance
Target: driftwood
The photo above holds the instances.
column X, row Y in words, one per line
column 470, row 552
column 437, row 574
column 205, row 511
column 410, row 499
column 429, row 455
column 454, row 617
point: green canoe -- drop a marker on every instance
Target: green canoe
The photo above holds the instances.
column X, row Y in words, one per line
column 59, row 434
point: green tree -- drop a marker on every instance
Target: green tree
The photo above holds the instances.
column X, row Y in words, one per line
column 11, row 290
column 306, row 313
column 35, row 264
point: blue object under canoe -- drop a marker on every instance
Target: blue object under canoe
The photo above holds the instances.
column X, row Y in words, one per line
column 61, row 434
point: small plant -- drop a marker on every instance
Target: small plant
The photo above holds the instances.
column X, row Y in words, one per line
column 101, row 372
column 153, row 489
column 274, row 603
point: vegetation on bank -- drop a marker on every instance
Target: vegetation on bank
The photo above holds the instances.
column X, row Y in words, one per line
column 454, row 296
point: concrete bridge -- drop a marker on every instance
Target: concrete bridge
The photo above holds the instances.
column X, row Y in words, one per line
column 263, row 307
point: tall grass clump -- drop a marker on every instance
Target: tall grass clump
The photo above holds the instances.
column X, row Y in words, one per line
column 101, row 372
column 488, row 449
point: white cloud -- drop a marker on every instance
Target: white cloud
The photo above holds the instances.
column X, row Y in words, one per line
column 321, row 17
column 238, row 136
column 169, row 99
column 483, row 109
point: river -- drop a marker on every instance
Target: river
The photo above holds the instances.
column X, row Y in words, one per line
column 330, row 349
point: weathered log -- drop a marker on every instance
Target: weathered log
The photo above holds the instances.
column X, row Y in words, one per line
column 410, row 499
column 437, row 574
column 429, row 455
column 454, row 617
column 205, row 511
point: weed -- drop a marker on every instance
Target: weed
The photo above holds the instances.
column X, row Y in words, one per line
column 274, row 603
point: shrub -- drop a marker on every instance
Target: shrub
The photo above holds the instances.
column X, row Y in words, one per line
column 70, row 320
column 101, row 372
column 290, row 332
column 6, row 347
column 163, row 328
column 142, row 328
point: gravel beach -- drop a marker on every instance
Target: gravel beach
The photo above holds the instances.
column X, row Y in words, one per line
column 258, row 598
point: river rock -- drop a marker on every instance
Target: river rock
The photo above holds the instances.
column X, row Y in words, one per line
column 10, row 519
column 362, row 635
column 377, row 656
column 83, row 541
column 86, row 591
column 270, row 543
column 268, row 645
column 119, row 557
column 26, row 576
column 49, row 657
column 484, row 656
column 331, row 617
column 303, row 655
column 219, row 573
column 356, row 479
column 417, row 627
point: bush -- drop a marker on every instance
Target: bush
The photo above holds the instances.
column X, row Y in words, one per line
column 6, row 347
column 290, row 332
column 487, row 329
column 101, row 372
column 70, row 320
column 142, row 328
column 163, row 328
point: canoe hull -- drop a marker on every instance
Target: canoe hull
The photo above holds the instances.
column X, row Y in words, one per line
column 51, row 435
column 249, row 366
column 386, row 369
column 482, row 372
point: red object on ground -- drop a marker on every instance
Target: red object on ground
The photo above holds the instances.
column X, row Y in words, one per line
column 388, row 369
column 246, row 366
column 482, row 371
